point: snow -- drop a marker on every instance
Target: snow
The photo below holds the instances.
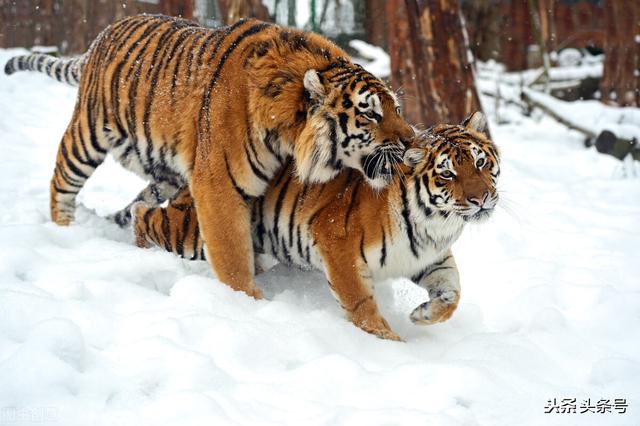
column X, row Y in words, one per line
column 591, row 68
column 94, row 330
column 593, row 115
column 373, row 58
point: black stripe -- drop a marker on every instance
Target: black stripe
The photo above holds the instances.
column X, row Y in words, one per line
column 270, row 138
column 63, row 191
column 74, row 150
column 314, row 216
column 147, row 226
column 299, row 242
column 183, row 235
column 156, row 68
column 196, row 234
column 239, row 190
column 38, row 64
column 191, row 50
column 362, row 249
column 166, row 231
column 260, row 225
column 69, row 163
column 292, row 218
column 66, row 71
column 278, row 207
column 160, row 46
column 333, row 160
column 204, row 111
column 58, row 71
column 49, row 67
column 352, row 202
column 116, row 79
column 253, row 149
column 174, row 76
column 407, row 220
column 285, row 251
column 435, row 270
column 254, row 168
column 383, row 249
column 68, row 179
column 426, row 210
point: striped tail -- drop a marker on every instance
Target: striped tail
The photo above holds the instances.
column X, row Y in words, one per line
column 64, row 70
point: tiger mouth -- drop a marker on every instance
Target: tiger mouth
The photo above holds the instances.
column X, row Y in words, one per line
column 478, row 216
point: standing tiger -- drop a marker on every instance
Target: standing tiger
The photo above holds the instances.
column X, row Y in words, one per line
column 219, row 110
column 357, row 235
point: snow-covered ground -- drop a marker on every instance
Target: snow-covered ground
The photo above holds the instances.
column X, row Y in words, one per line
column 94, row 330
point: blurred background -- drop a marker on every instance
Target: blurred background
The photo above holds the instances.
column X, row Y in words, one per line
column 446, row 58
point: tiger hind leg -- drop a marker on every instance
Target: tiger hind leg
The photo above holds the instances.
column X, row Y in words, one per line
column 79, row 154
column 174, row 228
column 153, row 194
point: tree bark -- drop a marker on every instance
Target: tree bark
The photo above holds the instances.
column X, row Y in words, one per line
column 234, row 10
column 375, row 23
column 430, row 62
column 620, row 83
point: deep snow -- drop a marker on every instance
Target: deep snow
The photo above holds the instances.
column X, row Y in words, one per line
column 94, row 330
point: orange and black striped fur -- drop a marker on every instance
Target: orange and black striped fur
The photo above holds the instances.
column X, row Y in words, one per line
column 358, row 236
column 221, row 110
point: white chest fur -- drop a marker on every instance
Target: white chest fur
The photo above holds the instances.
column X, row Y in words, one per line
column 414, row 244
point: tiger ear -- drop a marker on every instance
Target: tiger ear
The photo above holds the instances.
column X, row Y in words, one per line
column 313, row 85
column 413, row 157
column 476, row 121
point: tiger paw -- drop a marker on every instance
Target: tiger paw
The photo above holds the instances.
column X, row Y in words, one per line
column 255, row 292
column 386, row 334
column 369, row 319
column 381, row 329
column 121, row 218
column 439, row 309
column 61, row 217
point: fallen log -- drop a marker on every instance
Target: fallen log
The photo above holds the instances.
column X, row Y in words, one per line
column 606, row 141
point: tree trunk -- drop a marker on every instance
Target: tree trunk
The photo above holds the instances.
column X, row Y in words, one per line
column 429, row 61
column 234, row 10
column 620, row 82
column 183, row 8
column 375, row 23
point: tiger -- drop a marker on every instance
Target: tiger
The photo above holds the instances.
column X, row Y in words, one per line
column 358, row 236
column 220, row 111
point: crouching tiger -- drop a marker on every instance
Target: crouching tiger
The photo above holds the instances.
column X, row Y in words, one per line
column 357, row 235
column 220, row 110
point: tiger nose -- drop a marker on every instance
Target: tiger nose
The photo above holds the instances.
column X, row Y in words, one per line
column 478, row 201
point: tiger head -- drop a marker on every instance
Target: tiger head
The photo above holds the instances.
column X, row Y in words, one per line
column 457, row 167
column 353, row 120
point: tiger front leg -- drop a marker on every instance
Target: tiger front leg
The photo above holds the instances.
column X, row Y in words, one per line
column 350, row 284
column 442, row 281
column 224, row 217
